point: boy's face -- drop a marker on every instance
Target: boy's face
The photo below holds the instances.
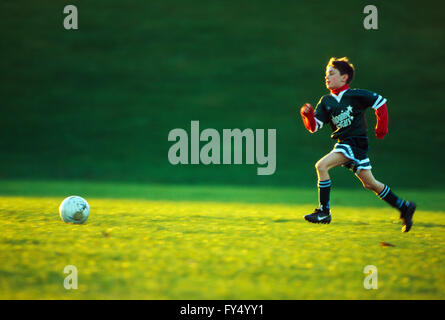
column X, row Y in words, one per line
column 334, row 79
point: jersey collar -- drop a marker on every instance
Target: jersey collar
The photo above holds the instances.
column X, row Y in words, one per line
column 338, row 93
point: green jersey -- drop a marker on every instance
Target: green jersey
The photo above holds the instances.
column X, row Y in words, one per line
column 345, row 112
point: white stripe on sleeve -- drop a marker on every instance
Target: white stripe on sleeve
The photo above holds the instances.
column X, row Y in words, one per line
column 319, row 124
column 380, row 104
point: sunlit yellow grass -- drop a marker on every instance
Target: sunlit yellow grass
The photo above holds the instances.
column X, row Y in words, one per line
column 135, row 249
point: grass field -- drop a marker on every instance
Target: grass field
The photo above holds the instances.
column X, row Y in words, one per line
column 171, row 249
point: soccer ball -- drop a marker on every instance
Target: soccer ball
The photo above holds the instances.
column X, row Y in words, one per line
column 74, row 209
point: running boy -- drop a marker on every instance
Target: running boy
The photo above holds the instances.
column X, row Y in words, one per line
column 344, row 109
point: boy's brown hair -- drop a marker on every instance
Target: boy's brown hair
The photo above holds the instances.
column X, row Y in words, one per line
column 343, row 66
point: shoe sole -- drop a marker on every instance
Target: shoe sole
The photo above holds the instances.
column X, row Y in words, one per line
column 407, row 226
column 322, row 221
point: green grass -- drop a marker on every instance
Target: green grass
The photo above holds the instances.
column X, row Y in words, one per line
column 357, row 197
column 165, row 249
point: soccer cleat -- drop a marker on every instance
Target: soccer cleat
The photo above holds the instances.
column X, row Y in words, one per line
column 319, row 216
column 407, row 216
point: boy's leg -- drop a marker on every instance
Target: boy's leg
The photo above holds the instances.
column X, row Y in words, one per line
column 369, row 182
column 406, row 208
column 329, row 161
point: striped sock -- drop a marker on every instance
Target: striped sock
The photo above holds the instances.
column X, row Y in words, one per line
column 324, row 190
column 391, row 198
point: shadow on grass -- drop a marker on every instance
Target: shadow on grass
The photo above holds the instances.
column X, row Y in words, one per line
column 351, row 223
column 428, row 225
column 286, row 220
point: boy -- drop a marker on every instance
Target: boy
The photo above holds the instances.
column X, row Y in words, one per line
column 344, row 109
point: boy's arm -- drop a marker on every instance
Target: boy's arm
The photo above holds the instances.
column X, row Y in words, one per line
column 314, row 119
column 381, row 128
column 307, row 114
column 378, row 103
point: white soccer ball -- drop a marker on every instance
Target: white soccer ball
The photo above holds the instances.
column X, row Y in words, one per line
column 74, row 209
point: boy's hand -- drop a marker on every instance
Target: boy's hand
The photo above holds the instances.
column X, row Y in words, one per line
column 380, row 133
column 307, row 110
column 307, row 114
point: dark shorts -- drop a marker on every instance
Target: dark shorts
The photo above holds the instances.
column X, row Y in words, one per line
column 356, row 149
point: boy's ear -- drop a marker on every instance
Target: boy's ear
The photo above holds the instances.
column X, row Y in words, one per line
column 345, row 77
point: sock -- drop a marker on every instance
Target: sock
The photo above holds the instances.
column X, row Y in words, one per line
column 324, row 190
column 391, row 198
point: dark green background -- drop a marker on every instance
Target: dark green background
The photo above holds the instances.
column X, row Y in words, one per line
column 98, row 103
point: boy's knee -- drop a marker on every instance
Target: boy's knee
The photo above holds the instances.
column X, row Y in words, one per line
column 369, row 186
column 319, row 166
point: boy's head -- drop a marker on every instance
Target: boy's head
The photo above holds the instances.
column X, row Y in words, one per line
column 338, row 72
